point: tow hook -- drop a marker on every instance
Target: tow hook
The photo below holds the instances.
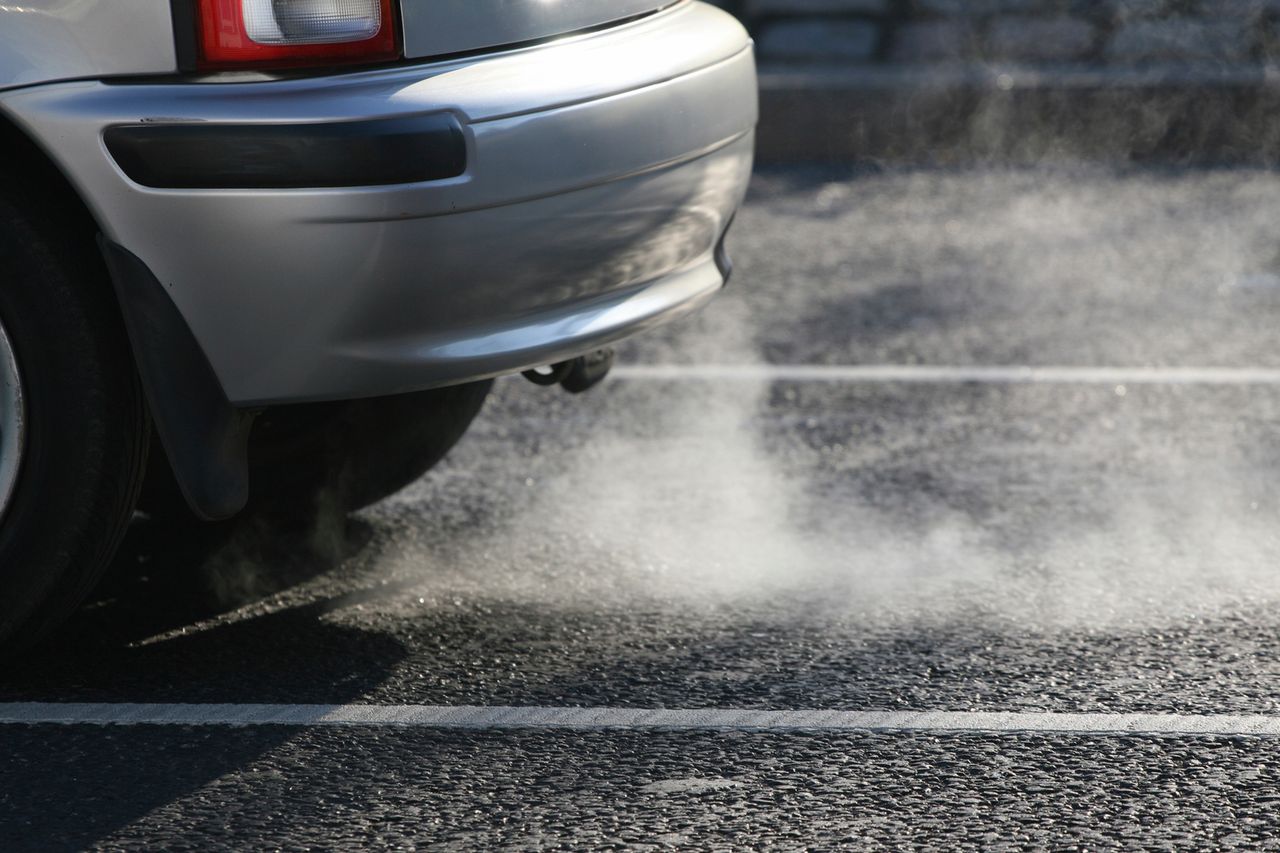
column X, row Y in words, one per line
column 575, row 375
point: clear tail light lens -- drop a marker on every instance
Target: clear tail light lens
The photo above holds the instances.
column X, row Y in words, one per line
column 291, row 33
column 311, row 21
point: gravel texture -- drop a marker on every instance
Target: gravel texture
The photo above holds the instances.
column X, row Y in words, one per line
column 530, row 791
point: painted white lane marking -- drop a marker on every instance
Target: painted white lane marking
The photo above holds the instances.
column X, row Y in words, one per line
column 634, row 719
column 1012, row 374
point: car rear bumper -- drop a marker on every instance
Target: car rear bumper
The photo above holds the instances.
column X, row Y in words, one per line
column 592, row 179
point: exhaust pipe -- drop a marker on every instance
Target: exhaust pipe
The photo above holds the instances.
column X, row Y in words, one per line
column 576, row 375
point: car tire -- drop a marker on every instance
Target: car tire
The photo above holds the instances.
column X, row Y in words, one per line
column 78, row 412
column 320, row 459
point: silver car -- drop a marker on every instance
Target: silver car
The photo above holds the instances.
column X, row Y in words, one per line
column 297, row 238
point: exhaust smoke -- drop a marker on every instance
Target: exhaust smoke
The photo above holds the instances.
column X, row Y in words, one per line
column 1048, row 505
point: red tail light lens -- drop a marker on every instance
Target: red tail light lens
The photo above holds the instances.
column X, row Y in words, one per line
column 292, row 33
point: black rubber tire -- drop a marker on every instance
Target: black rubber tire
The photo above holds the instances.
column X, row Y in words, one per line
column 322, row 459
column 87, row 429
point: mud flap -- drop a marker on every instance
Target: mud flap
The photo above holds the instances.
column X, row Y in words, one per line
column 204, row 436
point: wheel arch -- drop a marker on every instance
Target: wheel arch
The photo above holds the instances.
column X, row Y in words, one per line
column 203, row 436
column 24, row 162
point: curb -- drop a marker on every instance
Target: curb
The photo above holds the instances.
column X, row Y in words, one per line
column 1180, row 115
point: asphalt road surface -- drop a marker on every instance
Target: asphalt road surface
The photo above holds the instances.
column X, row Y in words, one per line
column 954, row 523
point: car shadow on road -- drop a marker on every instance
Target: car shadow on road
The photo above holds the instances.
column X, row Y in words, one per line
column 152, row 633
column 168, row 575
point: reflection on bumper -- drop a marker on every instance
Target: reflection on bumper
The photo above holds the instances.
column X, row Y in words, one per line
column 543, row 281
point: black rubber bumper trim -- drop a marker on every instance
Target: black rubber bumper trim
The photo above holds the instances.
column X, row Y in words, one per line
column 204, row 436
column 376, row 152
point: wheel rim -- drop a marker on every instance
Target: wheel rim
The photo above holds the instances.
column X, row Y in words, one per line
column 12, row 421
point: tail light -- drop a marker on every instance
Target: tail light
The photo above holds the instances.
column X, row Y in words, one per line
column 290, row 33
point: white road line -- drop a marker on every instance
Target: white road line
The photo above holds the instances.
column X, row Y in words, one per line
column 950, row 374
column 634, row 719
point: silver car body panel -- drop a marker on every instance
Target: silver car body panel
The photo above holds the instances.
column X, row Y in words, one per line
column 590, row 208
column 435, row 27
column 46, row 40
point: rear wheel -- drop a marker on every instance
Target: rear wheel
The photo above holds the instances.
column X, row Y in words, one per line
column 73, row 425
